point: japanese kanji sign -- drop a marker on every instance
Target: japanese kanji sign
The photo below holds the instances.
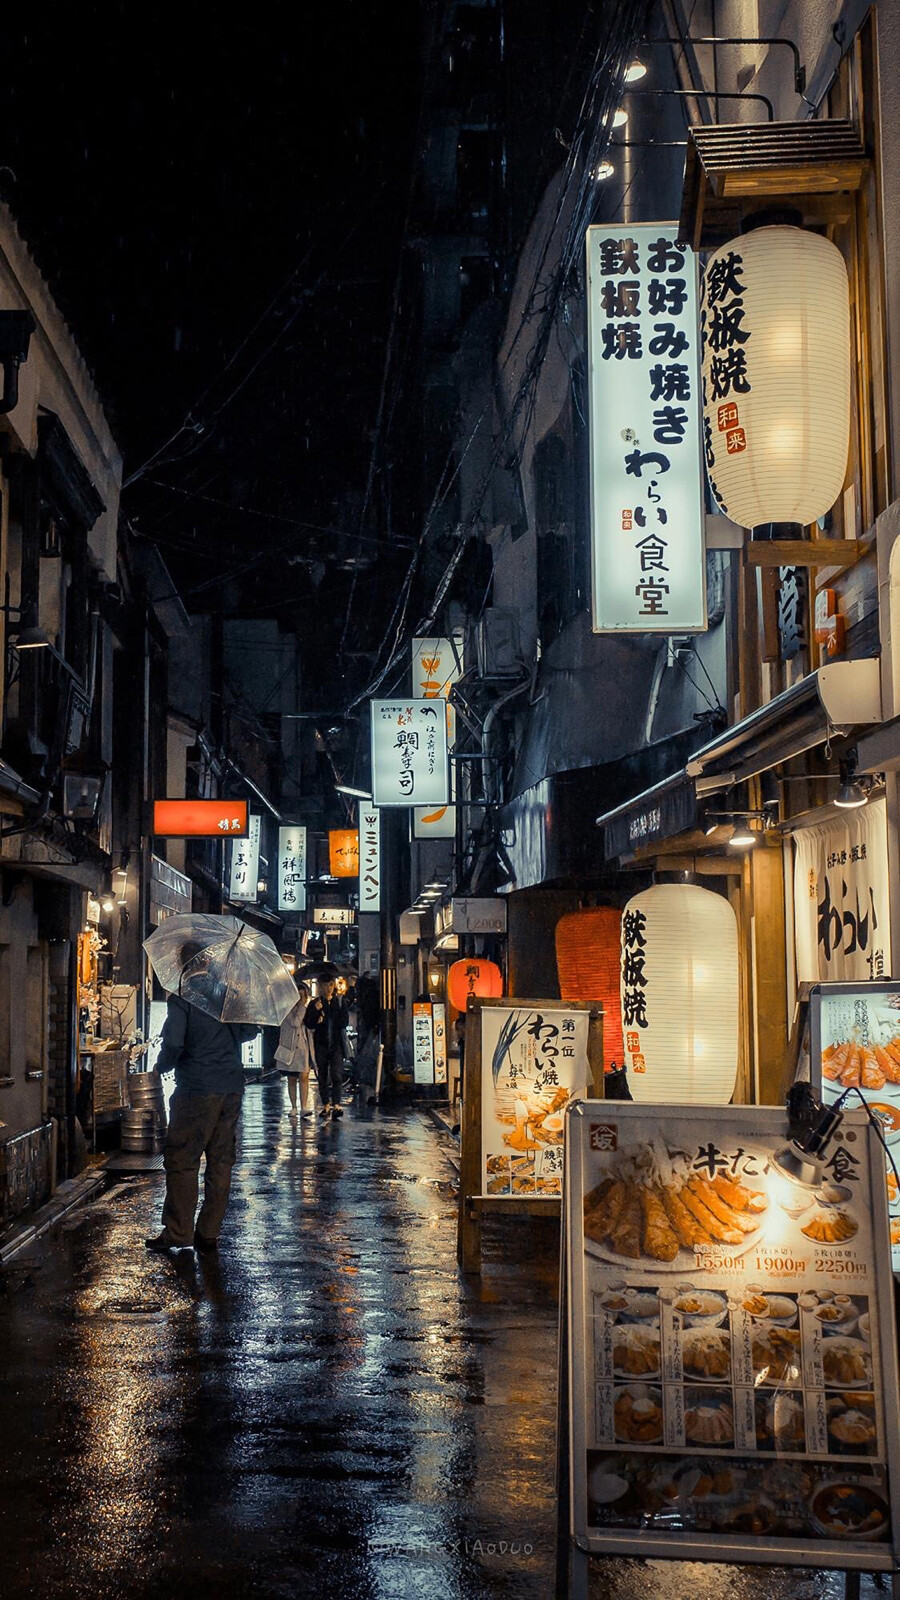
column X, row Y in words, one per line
column 841, row 911
column 532, row 1062
column 647, row 510
column 409, row 753
column 292, row 869
column 369, row 859
column 245, row 864
column 343, row 852
column 436, row 665
column 200, row 819
column 423, row 1042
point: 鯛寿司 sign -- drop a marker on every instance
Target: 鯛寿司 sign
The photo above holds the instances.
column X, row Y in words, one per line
column 410, row 766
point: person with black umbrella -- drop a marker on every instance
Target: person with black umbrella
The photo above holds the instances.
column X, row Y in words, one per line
column 326, row 1019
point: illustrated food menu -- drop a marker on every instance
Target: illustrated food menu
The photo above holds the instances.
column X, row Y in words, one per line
column 860, row 1049
column 731, row 1341
column 532, row 1062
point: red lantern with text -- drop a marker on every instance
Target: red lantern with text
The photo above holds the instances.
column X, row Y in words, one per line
column 474, row 977
column 587, row 961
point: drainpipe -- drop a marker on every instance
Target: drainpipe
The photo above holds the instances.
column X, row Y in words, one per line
column 490, row 786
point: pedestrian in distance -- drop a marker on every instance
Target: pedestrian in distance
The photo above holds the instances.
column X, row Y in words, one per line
column 205, row 1056
column 326, row 1019
column 295, row 1055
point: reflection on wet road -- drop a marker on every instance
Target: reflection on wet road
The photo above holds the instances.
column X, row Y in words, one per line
column 325, row 1408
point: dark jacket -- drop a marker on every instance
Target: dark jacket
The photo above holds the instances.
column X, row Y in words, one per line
column 205, row 1054
column 326, row 1020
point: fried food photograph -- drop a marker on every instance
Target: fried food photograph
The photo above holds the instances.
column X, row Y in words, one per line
column 709, row 1422
column 845, row 1361
column 776, row 1355
column 706, row 1353
column 652, row 1205
column 831, row 1227
column 636, row 1351
column 638, row 1414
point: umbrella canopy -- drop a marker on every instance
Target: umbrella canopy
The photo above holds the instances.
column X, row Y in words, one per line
column 317, row 969
column 223, row 967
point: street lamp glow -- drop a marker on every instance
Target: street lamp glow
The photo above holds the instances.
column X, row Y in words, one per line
column 602, row 171
column 620, row 117
column 348, row 788
column 635, row 71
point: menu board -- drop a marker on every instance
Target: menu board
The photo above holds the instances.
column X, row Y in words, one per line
column 855, row 1044
column 731, row 1338
column 532, row 1062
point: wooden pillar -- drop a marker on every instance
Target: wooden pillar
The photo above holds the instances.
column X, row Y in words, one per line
column 770, row 1022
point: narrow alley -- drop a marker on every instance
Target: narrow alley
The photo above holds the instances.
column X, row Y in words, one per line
column 326, row 1407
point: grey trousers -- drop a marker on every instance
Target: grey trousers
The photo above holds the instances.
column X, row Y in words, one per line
column 198, row 1123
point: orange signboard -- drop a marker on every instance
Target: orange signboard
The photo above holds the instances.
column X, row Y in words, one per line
column 343, row 852
column 200, row 819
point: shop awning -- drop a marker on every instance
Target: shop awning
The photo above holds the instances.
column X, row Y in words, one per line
column 829, row 702
column 832, row 701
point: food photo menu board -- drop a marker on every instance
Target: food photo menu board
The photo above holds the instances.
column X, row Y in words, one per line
column 732, row 1360
column 855, row 1044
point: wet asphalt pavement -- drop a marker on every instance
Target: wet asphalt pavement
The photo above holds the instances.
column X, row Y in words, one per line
column 325, row 1408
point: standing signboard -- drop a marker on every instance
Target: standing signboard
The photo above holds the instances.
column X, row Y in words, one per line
column 369, row 859
column 423, row 1042
column 245, row 864
column 439, row 1019
column 730, row 1373
column 436, row 666
column 647, row 506
column 524, row 1060
column 292, row 869
column 854, row 1044
column 841, row 897
column 409, row 753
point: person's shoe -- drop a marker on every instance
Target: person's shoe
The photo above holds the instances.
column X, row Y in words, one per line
column 325, row 1113
column 337, row 1111
column 305, row 1116
column 160, row 1245
column 293, row 1116
column 204, row 1245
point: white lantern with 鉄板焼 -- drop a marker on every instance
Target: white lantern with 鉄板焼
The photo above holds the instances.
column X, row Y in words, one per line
column 680, row 995
column 775, row 320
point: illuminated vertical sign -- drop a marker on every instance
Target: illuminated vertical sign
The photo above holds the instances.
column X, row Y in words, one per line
column 245, row 864
column 423, row 1043
column 409, row 753
column 440, row 1041
column 343, row 852
column 292, row 869
column 648, row 539
column 369, row 859
column 436, row 665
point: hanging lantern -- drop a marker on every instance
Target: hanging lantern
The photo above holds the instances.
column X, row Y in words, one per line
column 679, row 992
column 775, row 319
column 587, row 961
column 474, row 977
column 343, row 852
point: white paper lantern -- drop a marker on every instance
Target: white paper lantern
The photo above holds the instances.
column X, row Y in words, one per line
column 680, row 995
column 775, row 318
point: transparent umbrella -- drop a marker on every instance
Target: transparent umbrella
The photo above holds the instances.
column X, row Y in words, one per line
column 223, row 967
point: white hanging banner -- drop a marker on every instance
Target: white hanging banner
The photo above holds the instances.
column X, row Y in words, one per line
column 647, row 512
column 292, row 869
column 245, row 864
column 440, row 1041
column 841, row 902
column 436, row 665
column 423, row 1043
column 409, row 753
column 369, row 859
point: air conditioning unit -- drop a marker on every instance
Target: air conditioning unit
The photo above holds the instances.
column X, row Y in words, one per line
column 497, row 647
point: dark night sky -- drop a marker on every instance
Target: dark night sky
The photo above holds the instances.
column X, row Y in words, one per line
column 176, row 170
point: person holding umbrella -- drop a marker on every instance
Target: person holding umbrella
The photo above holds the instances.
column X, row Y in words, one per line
column 326, row 1019
column 225, row 981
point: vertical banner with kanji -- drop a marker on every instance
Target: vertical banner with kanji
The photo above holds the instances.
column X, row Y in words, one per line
column 647, row 507
column 423, row 1042
column 436, row 665
column 244, row 883
column 841, row 901
column 532, row 1062
column 292, row 869
column 409, row 753
column 369, row 859
column 439, row 1019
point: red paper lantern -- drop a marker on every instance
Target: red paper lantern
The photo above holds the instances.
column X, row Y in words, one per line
column 588, row 957
column 475, row 977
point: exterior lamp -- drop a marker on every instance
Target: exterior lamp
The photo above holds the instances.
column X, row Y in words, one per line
column 775, row 315
column 602, row 171
column 742, row 836
column 679, row 985
column 812, row 1128
column 635, row 71
column 348, row 788
column 851, row 794
column 31, row 638
column 620, row 117
column 108, row 901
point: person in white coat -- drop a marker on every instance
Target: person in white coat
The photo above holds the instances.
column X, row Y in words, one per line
column 294, row 1055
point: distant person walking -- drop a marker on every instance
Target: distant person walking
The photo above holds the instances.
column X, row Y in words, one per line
column 295, row 1054
column 205, row 1055
column 326, row 1019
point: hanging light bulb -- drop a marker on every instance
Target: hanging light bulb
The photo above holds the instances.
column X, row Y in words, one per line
column 620, row 117
column 635, row 71
column 602, row 171
column 742, row 836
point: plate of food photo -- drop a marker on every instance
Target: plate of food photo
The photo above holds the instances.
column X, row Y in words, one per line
column 846, row 1363
column 652, row 1206
column 779, row 1309
column 701, row 1308
column 852, row 1429
column 843, row 1510
column 776, row 1356
column 709, row 1418
column 706, row 1354
column 636, row 1351
column 638, row 1414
